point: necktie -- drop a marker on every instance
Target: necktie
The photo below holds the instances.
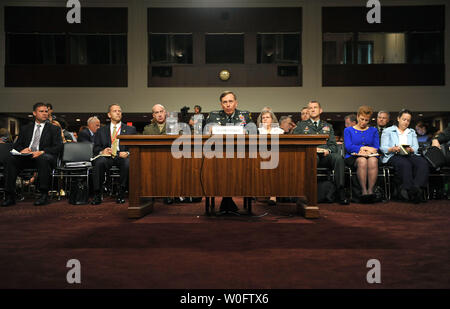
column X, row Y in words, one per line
column 37, row 137
column 315, row 125
column 114, row 144
column 230, row 120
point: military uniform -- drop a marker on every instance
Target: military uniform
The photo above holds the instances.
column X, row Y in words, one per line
column 237, row 118
column 153, row 129
column 334, row 160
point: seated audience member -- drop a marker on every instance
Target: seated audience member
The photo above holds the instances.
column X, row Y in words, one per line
column 86, row 135
column 327, row 155
column 287, row 125
column 400, row 149
column 265, row 109
column 382, row 122
column 361, row 141
column 5, row 137
column 229, row 114
column 106, row 143
column 51, row 116
column 197, row 111
column 158, row 124
column 304, row 113
column 56, row 123
column 442, row 138
column 350, row 120
column 40, row 144
column 267, row 120
column 421, row 131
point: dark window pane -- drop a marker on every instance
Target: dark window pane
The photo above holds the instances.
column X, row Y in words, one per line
column 170, row 48
column 224, row 48
column 98, row 49
column 383, row 48
column 278, row 48
column 36, row 48
column 425, row 48
column 337, row 48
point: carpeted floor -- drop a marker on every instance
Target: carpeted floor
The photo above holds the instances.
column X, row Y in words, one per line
column 178, row 247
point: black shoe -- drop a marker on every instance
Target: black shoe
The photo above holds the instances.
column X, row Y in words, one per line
column 414, row 195
column 42, row 200
column 9, row 201
column 168, row 200
column 404, row 195
column 228, row 205
column 342, row 198
column 97, row 200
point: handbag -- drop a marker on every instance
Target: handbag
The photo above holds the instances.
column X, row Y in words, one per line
column 435, row 157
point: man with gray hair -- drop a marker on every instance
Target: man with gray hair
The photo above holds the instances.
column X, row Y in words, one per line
column 158, row 124
column 87, row 134
column 382, row 121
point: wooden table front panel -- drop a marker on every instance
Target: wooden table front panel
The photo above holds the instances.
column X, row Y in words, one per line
column 162, row 175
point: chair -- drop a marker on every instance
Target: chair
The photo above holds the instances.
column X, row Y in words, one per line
column 75, row 162
column 443, row 172
column 383, row 171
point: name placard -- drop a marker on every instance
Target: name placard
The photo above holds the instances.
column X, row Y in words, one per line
column 228, row 130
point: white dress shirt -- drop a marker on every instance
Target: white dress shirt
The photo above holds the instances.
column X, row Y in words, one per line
column 34, row 133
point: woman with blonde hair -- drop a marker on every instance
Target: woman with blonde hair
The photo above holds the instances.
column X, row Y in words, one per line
column 361, row 151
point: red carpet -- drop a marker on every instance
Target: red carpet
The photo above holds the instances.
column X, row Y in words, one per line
column 178, row 247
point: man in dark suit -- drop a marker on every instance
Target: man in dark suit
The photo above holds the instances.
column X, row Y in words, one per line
column 328, row 154
column 107, row 144
column 87, row 134
column 39, row 143
column 441, row 139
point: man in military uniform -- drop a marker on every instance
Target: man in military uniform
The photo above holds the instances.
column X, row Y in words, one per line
column 327, row 155
column 229, row 115
column 158, row 124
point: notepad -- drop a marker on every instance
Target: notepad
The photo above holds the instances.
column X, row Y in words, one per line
column 403, row 150
column 16, row 153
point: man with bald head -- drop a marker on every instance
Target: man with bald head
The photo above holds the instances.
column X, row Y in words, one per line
column 158, row 124
column 87, row 134
column 106, row 143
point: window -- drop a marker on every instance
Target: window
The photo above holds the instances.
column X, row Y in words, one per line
column 224, row 48
column 25, row 48
column 170, row 48
column 383, row 48
column 189, row 47
column 406, row 49
column 43, row 50
column 98, row 49
column 280, row 48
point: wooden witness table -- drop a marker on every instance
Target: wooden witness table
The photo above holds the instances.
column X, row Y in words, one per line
column 155, row 172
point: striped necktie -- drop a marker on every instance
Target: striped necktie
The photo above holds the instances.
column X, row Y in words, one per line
column 114, row 144
column 37, row 137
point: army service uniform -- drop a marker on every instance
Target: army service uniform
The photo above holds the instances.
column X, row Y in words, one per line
column 237, row 118
column 334, row 160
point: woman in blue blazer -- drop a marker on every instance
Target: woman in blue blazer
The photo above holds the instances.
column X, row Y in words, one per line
column 411, row 167
column 361, row 148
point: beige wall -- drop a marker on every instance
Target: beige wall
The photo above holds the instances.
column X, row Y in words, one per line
column 137, row 97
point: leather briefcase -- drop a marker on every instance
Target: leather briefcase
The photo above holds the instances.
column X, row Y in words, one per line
column 435, row 157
